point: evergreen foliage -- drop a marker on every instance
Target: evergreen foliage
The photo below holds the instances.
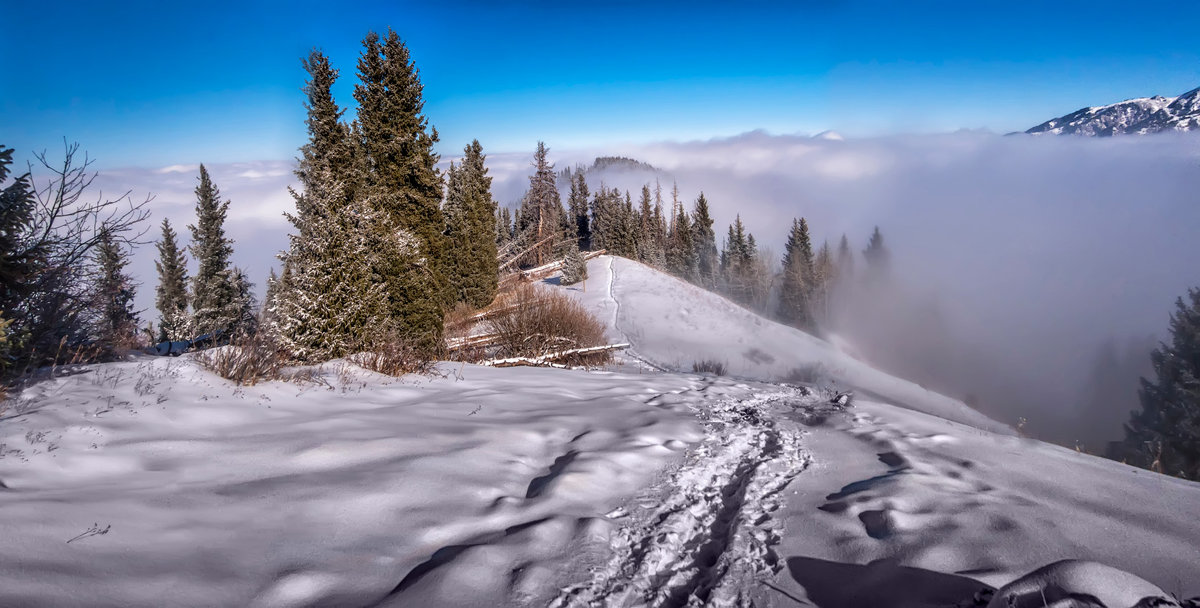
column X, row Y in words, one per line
column 614, row 227
column 347, row 261
column 681, row 249
column 650, row 246
column 877, row 256
column 115, row 326
column 707, row 258
column 470, row 227
column 504, row 227
column 825, row 276
column 845, row 260
column 18, row 263
column 50, row 236
column 542, row 216
column 398, row 169
column 1164, row 435
column 574, row 266
column 798, row 281
column 577, row 202
column 214, row 292
column 171, row 297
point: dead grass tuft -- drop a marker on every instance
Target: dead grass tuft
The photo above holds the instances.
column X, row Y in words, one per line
column 391, row 355
column 247, row 360
column 710, row 366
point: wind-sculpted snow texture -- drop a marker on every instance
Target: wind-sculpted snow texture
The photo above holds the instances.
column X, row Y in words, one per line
column 706, row 537
column 467, row 488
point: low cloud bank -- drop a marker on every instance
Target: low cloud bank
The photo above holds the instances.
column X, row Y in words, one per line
column 1018, row 262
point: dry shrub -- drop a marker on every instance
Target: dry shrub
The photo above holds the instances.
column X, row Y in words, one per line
column 709, row 366
column 248, row 359
column 391, row 355
column 457, row 321
column 540, row 320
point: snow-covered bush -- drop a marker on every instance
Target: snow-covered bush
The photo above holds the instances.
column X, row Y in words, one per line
column 574, row 266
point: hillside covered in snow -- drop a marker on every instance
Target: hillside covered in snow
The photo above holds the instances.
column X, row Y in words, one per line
column 1133, row 116
column 152, row 482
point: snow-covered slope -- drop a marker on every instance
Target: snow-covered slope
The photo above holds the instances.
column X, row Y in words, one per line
column 154, row 483
column 672, row 324
column 1141, row 116
column 355, row 490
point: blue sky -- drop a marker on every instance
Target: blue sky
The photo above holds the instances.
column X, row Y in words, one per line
column 154, row 84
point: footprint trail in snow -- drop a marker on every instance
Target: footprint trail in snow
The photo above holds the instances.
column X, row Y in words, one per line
column 705, row 537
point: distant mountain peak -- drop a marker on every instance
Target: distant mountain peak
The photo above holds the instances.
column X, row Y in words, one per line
column 1140, row 116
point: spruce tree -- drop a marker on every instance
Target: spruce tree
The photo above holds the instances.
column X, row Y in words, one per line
column 877, row 256
column 398, row 169
column 504, row 227
column 824, row 277
column 170, row 297
column 245, row 306
column 845, row 260
column 470, row 228
column 541, row 211
column 117, row 322
column 798, row 282
column 1164, row 435
column 577, row 202
column 707, row 258
column 681, row 249
column 649, row 247
column 330, row 301
column 213, row 290
column 574, row 266
column 630, row 229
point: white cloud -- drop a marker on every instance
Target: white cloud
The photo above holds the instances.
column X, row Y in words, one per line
column 178, row 169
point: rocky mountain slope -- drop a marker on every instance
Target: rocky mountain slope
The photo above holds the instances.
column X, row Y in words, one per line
column 1133, row 116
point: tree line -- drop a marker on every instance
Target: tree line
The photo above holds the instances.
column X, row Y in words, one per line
column 681, row 240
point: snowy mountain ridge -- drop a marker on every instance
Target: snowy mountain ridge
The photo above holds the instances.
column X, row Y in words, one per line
column 1140, row 116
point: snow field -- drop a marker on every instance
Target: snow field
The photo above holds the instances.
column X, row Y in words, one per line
column 354, row 490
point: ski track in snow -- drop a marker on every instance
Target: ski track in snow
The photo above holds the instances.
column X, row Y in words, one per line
column 705, row 537
column 624, row 337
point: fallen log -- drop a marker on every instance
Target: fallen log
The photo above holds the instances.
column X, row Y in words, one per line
column 549, row 359
column 550, row 268
column 453, row 344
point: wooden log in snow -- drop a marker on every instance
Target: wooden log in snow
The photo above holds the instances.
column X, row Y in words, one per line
column 549, row 359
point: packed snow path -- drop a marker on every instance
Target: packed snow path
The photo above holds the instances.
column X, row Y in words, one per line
column 706, row 536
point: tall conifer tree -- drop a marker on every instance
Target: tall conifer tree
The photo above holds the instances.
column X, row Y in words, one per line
column 470, row 223
column 541, row 211
column 578, row 207
column 329, row 302
column 1164, row 435
column 170, row 296
column 707, row 258
column 214, row 292
column 798, row 282
column 877, row 256
column 401, row 180
column 116, row 326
